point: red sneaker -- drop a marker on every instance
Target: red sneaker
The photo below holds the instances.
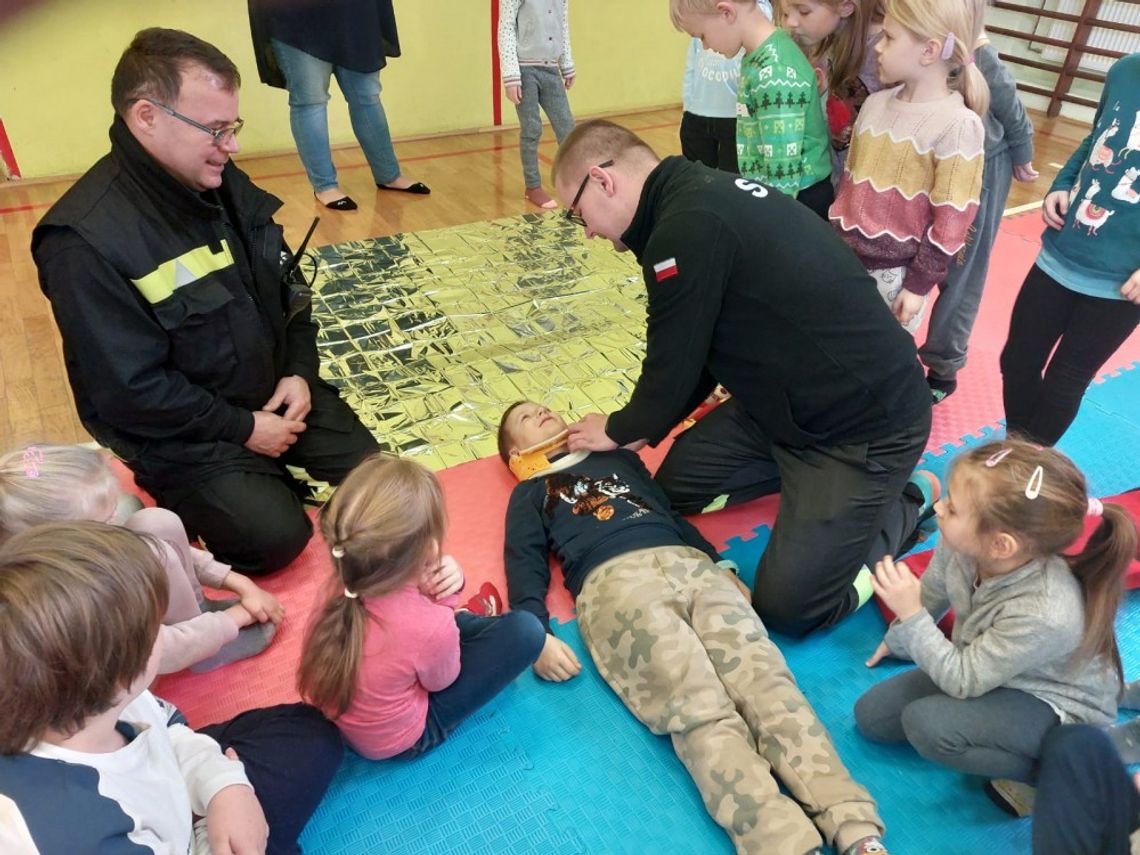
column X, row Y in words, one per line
column 487, row 601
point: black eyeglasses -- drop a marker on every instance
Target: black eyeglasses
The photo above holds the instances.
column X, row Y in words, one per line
column 573, row 217
column 220, row 135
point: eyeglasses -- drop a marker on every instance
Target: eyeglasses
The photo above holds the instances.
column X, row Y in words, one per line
column 576, row 218
column 220, row 135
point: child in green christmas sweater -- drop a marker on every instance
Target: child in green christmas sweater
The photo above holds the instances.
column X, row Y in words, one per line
column 781, row 133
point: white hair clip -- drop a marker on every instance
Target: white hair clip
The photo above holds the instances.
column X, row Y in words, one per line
column 351, row 595
column 1096, row 507
column 1033, row 487
column 948, row 46
column 338, row 551
column 997, row 457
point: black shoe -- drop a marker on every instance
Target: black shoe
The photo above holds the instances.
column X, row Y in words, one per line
column 940, row 390
column 344, row 203
column 419, row 188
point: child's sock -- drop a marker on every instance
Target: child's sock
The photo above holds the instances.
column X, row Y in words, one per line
column 251, row 640
column 867, row 846
column 209, row 605
column 940, row 389
column 487, row 602
column 1014, row 797
column 1126, row 738
column 862, row 586
column 1130, row 699
column 538, row 196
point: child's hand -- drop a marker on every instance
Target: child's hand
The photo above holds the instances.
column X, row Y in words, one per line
column 514, row 93
column 568, row 81
column 444, row 580
column 1054, row 208
column 898, row 588
column 235, row 822
column 557, row 661
column 1130, row 290
column 881, row 652
column 261, row 604
column 1025, row 172
column 240, row 615
column 907, row 304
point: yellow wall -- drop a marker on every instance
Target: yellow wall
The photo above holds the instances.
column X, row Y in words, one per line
column 56, row 61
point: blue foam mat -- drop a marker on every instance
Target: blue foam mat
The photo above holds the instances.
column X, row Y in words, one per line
column 564, row 768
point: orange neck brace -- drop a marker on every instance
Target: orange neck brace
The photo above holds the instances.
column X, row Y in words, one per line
column 530, row 461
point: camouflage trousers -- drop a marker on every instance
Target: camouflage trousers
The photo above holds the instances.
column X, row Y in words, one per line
column 683, row 649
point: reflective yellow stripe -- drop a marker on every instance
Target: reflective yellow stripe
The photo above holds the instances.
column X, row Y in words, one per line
column 186, row 268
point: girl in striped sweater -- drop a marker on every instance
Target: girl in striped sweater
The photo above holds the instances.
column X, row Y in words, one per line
column 913, row 177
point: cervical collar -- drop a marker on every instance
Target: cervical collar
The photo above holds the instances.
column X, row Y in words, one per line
column 534, row 461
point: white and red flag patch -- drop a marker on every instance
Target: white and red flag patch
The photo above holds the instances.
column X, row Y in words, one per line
column 665, row 269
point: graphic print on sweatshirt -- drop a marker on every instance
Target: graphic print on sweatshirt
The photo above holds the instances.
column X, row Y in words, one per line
column 1110, row 169
column 597, row 497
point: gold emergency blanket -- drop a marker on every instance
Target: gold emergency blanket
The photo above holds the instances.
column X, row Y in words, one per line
column 431, row 335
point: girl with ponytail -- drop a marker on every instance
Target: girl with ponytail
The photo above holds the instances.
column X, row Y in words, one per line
column 1033, row 644
column 913, row 178
column 387, row 657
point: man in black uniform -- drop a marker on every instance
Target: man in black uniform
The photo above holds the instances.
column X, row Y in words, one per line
column 748, row 288
column 188, row 336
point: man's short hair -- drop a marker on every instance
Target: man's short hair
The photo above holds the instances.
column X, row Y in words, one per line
column 594, row 142
column 80, row 608
column 153, row 64
column 505, row 437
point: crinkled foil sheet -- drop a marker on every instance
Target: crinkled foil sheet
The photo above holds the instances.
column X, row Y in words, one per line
column 430, row 335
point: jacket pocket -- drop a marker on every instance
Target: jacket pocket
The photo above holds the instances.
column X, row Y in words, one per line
column 196, row 319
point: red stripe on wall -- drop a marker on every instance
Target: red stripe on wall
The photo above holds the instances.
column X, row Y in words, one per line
column 496, row 72
column 7, row 154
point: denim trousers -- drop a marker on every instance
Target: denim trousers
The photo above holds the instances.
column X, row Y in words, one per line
column 307, row 79
column 541, row 86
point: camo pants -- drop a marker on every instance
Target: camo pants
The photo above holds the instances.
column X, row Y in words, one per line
column 688, row 656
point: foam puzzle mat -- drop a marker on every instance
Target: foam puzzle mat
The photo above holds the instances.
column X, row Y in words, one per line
column 430, row 335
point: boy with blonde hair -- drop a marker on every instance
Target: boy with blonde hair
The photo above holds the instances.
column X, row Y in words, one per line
column 672, row 635
column 781, row 132
column 82, row 738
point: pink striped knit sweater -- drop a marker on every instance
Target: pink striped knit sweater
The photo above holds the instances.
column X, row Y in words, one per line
column 911, row 184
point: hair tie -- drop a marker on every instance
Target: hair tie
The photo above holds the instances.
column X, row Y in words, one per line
column 338, row 551
column 33, row 458
column 1096, row 507
column 948, row 46
column 350, row 594
column 970, row 59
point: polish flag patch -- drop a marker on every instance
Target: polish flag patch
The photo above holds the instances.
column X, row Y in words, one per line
column 666, row 269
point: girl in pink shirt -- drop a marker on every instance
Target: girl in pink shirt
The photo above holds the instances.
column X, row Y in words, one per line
column 388, row 658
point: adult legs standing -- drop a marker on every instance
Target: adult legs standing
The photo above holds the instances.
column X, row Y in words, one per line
column 307, row 79
column 369, row 122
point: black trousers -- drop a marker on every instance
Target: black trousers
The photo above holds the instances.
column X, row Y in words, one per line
column 818, row 197
column 710, row 141
column 253, row 517
column 840, row 507
column 290, row 753
column 1058, row 341
column 1086, row 802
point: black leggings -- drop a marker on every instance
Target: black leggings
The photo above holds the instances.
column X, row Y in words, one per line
column 1043, row 387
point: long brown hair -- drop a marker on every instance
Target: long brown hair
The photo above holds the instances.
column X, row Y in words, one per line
column 381, row 524
column 846, row 48
column 1001, row 476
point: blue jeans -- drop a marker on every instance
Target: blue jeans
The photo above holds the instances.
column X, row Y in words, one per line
column 308, row 81
column 492, row 652
column 541, row 86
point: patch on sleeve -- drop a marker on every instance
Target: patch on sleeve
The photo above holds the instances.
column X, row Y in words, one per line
column 665, row 269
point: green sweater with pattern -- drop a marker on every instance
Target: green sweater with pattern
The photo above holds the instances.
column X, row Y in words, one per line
column 781, row 132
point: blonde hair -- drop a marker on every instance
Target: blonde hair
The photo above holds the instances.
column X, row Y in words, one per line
column 1001, row 477
column 381, row 524
column 53, row 483
column 939, row 19
column 80, row 608
column 679, row 9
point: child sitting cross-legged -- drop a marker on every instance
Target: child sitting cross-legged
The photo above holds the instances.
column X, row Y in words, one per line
column 676, row 638
column 90, row 761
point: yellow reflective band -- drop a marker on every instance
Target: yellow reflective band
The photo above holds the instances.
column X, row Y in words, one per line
column 186, row 268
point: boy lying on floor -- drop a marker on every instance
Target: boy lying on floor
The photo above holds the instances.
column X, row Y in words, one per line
column 675, row 637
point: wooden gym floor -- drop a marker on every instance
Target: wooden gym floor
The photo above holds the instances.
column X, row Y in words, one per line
column 474, row 177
